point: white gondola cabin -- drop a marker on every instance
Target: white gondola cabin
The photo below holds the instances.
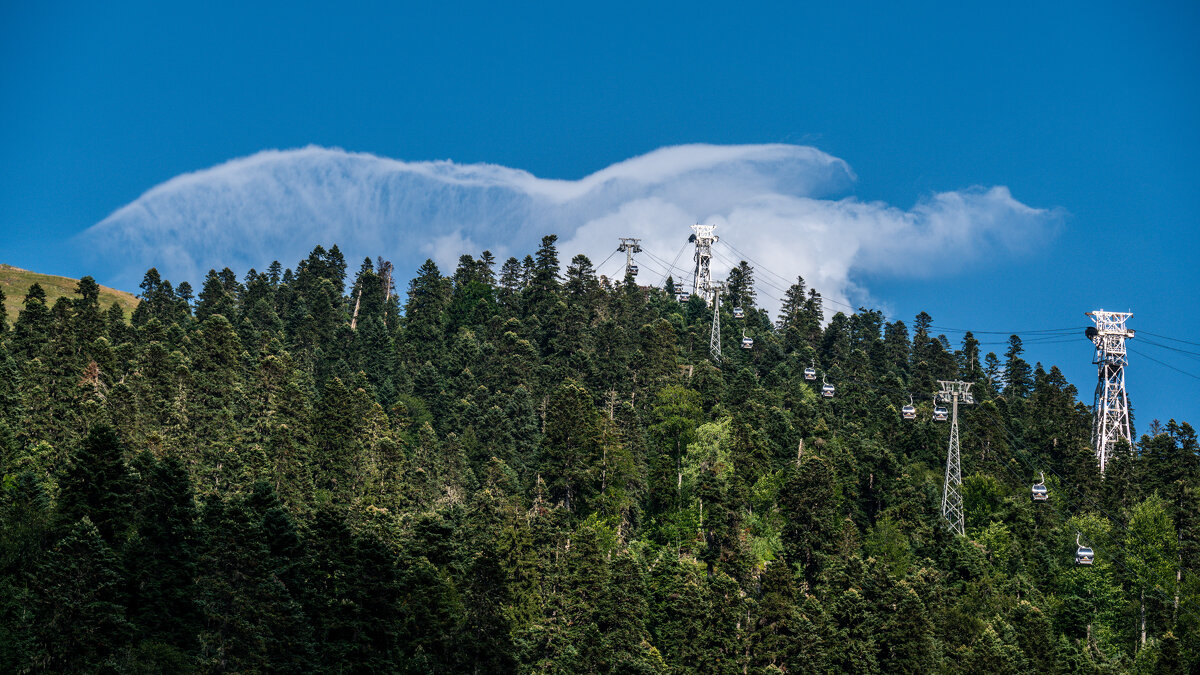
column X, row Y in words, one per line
column 1038, row 492
column 747, row 342
column 940, row 414
column 827, row 390
column 739, row 313
column 1083, row 554
column 633, row 270
column 810, row 373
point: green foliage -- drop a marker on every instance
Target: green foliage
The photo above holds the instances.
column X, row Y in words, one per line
column 540, row 470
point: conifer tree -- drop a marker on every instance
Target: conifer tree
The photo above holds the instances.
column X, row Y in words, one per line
column 77, row 621
column 31, row 332
column 97, row 485
column 809, row 505
column 1017, row 380
column 162, row 559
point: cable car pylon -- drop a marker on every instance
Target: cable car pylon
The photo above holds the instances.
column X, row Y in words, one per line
column 1111, row 409
column 629, row 246
column 703, row 237
column 714, row 338
column 954, row 392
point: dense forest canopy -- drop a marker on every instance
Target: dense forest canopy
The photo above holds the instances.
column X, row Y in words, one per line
column 526, row 469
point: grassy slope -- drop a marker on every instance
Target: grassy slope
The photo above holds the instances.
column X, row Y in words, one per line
column 15, row 282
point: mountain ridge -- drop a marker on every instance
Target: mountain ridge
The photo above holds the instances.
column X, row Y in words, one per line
column 15, row 283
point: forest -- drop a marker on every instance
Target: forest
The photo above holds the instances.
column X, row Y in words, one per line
column 525, row 467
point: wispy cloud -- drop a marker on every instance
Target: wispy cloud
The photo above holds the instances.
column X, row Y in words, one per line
column 784, row 206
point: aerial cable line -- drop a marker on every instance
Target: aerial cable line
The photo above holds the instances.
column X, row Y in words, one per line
column 756, row 264
column 597, row 268
column 1188, row 352
column 671, row 268
column 761, row 280
column 1025, row 340
column 653, row 268
column 1073, row 329
column 662, row 261
column 687, row 272
column 677, row 256
column 1163, row 363
column 1186, row 342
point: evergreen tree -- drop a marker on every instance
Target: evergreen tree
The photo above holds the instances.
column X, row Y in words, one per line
column 162, row 558
column 97, row 485
column 215, row 298
column 77, row 622
column 1017, row 380
column 31, row 332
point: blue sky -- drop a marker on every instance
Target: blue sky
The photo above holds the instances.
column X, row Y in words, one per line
column 1087, row 109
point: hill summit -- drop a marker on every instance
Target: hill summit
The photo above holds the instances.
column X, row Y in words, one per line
column 15, row 282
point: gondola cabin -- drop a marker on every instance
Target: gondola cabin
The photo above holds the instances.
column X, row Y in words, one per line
column 1084, row 556
column 810, row 373
column 633, row 270
column 909, row 412
column 739, row 313
column 939, row 414
column 747, row 342
column 683, row 297
column 827, row 390
column 1039, row 493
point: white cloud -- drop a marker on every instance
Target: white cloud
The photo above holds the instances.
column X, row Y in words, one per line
column 781, row 205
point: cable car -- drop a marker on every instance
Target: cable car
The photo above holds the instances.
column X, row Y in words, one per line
column 633, row 270
column 1083, row 554
column 747, row 342
column 678, row 288
column 683, row 297
column 826, row 388
column 909, row 412
column 939, row 413
column 739, row 313
column 810, row 373
column 1038, row 492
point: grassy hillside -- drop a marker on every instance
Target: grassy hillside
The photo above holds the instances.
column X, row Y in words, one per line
column 15, row 282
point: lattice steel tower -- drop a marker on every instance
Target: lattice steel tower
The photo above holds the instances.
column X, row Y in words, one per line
column 714, row 338
column 1111, row 409
column 701, row 279
column 629, row 246
column 952, row 504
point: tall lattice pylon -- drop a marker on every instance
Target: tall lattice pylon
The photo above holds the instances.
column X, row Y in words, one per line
column 701, row 278
column 1111, row 409
column 714, row 338
column 954, row 392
